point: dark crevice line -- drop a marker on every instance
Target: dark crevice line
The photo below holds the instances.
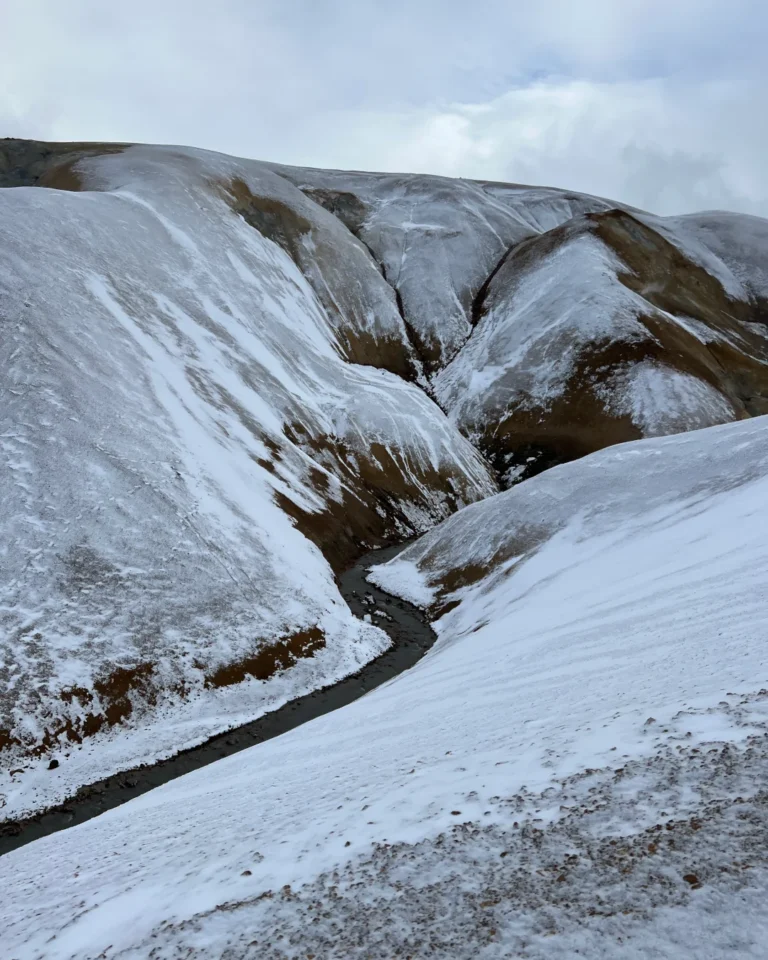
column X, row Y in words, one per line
column 409, row 331
column 478, row 302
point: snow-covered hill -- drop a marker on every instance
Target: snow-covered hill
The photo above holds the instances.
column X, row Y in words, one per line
column 552, row 324
column 223, row 380
column 576, row 768
column 438, row 239
column 609, row 328
column 189, row 436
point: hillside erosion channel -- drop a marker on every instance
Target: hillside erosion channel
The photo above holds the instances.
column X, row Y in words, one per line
column 411, row 637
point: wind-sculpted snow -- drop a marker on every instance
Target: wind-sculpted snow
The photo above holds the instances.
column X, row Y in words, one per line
column 579, row 760
column 180, row 422
column 604, row 330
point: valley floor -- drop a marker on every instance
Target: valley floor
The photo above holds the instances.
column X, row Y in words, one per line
column 577, row 767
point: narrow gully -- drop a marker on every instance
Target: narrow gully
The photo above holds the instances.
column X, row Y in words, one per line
column 411, row 637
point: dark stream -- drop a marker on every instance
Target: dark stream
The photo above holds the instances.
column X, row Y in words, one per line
column 411, row 635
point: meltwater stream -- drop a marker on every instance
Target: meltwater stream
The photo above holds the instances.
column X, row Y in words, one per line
column 411, row 637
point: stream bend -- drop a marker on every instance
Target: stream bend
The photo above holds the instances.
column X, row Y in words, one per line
column 411, row 638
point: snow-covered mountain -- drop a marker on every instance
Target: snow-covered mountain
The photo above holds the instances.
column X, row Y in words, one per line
column 223, row 380
column 438, row 239
column 577, row 767
column 552, row 324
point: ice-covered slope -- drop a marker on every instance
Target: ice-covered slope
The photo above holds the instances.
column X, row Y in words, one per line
column 611, row 327
column 198, row 415
column 577, row 763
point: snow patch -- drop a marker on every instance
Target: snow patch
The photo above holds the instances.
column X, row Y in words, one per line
column 403, row 579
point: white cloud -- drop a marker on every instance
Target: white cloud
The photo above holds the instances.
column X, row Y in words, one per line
column 653, row 102
column 661, row 145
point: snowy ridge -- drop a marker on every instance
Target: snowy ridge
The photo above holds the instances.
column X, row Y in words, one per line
column 218, row 380
column 609, row 645
column 617, row 489
column 733, row 247
column 438, row 239
column 526, row 346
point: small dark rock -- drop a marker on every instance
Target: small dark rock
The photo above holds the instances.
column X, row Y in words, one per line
column 53, row 764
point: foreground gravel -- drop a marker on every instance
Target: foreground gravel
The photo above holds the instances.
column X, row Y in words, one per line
column 664, row 857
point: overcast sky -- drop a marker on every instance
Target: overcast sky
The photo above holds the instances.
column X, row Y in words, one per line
column 659, row 103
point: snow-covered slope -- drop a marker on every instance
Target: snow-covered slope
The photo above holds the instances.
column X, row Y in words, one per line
column 599, row 679
column 189, row 436
column 552, row 324
column 219, row 380
column 733, row 247
column 608, row 328
column 438, row 239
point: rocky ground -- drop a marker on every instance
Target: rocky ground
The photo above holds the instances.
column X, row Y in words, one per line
column 662, row 857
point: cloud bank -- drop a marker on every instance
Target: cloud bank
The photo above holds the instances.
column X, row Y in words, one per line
column 657, row 104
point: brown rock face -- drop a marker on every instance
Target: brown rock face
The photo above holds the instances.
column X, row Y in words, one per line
column 734, row 359
column 270, row 659
column 32, row 163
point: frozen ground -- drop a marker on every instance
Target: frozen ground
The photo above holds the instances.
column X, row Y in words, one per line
column 601, row 679
column 599, row 879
